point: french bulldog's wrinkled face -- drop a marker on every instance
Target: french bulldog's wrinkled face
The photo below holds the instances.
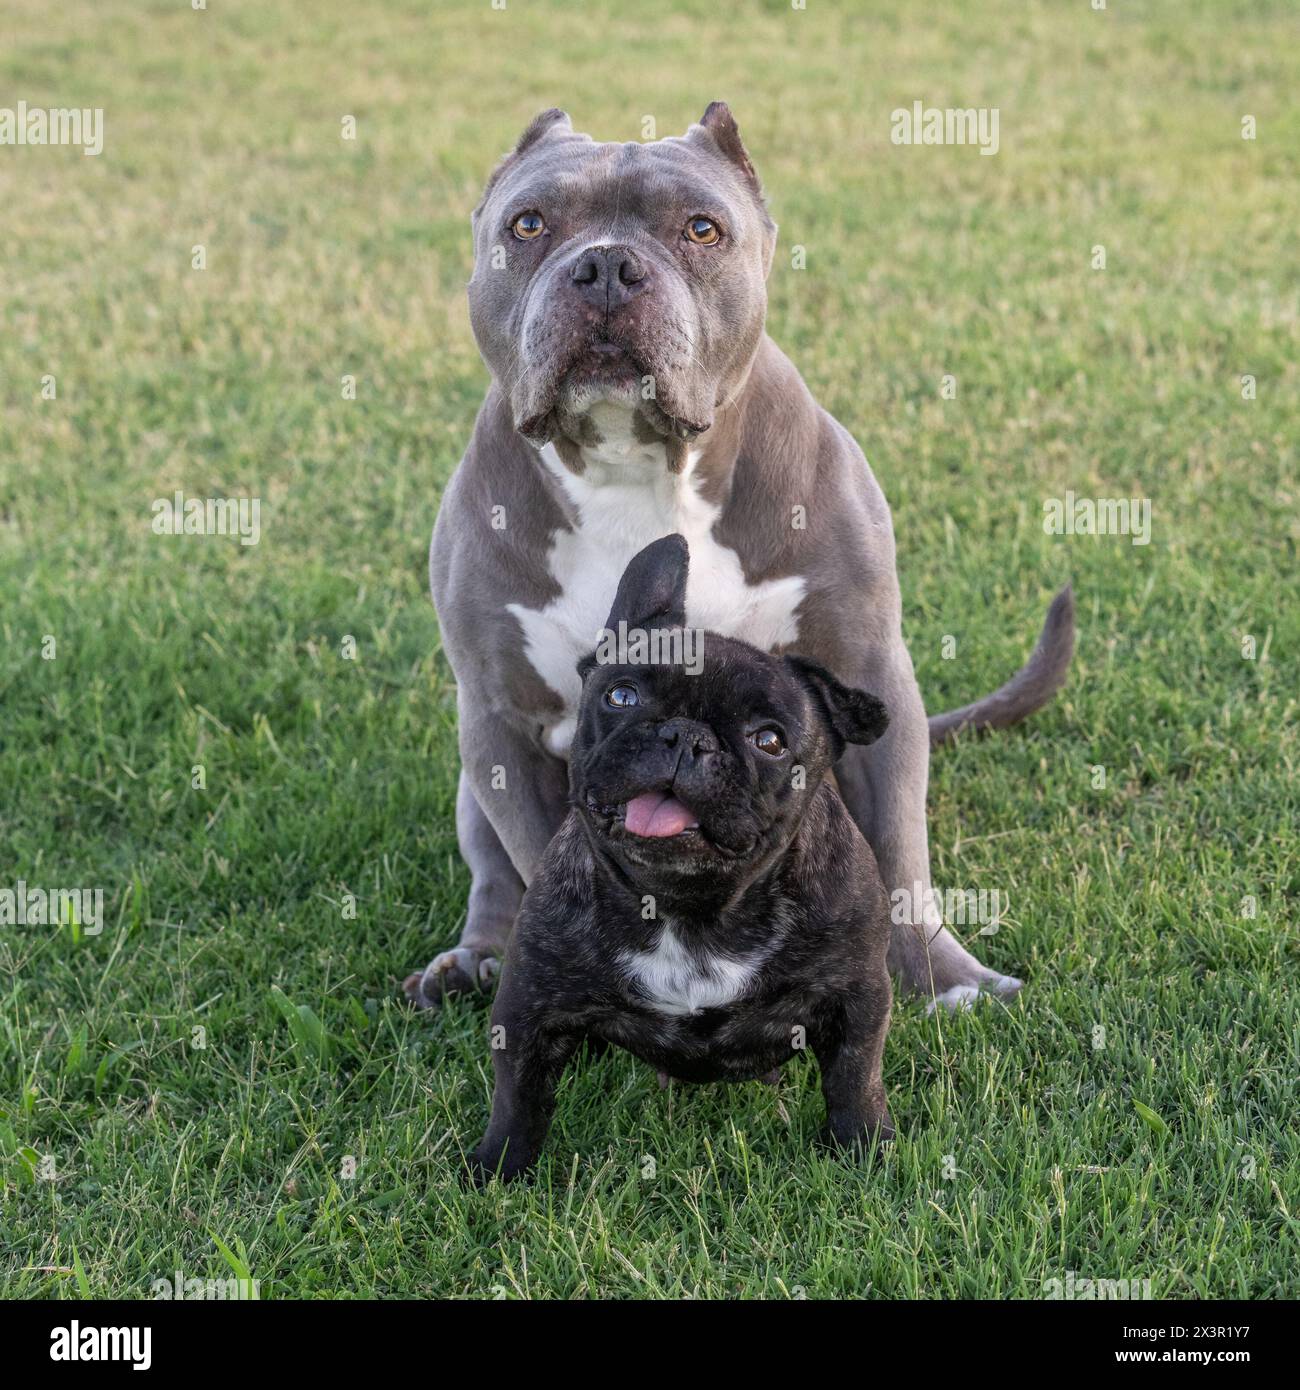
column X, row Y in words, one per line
column 680, row 775
column 632, row 273
column 691, row 769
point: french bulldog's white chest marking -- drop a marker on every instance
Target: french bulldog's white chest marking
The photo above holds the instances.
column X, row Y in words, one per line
column 678, row 982
column 624, row 499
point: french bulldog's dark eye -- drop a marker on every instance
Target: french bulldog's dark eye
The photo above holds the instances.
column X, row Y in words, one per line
column 622, row 696
column 702, row 231
column 529, row 226
column 769, row 741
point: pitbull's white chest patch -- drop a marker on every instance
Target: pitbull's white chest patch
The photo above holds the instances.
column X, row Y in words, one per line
column 677, row 982
column 626, row 498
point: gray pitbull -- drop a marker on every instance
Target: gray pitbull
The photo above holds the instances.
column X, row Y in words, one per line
column 618, row 298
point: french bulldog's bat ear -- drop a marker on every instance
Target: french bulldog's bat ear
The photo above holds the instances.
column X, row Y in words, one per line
column 652, row 591
column 853, row 715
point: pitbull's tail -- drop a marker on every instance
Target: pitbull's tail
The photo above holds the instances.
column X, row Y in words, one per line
column 1028, row 690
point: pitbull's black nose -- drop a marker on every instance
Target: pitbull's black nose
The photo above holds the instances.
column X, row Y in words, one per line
column 695, row 739
column 608, row 276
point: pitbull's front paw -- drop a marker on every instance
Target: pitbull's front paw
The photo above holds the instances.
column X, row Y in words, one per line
column 959, row 998
column 462, row 970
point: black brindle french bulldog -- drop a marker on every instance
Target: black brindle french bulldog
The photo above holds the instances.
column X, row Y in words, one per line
column 708, row 903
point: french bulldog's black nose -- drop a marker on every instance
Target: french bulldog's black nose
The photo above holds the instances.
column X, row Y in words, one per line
column 690, row 737
column 608, row 276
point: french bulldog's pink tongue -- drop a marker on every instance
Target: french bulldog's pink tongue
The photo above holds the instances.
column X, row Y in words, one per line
column 656, row 814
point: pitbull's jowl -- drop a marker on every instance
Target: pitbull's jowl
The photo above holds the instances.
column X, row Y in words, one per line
column 708, row 903
column 618, row 297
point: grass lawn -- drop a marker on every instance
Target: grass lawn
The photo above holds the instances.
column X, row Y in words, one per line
column 227, row 1062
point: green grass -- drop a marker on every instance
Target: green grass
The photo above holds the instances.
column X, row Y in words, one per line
column 1023, row 1150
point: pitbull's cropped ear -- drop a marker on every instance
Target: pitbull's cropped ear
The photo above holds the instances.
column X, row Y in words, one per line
column 544, row 123
column 853, row 715
column 721, row 127
column 550, row 122
column 652, row 592
column 718, row 127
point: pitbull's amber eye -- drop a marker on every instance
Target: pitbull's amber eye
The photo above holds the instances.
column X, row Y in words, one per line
column 769, row 741
column 622, row 696
column 528, row 226
column 702, row 231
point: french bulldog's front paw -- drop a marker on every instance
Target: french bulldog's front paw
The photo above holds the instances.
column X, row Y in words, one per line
column 487, row 1162
column 962, row 997
column 480, row 1168
column 462, row 970
column 855, row 1138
